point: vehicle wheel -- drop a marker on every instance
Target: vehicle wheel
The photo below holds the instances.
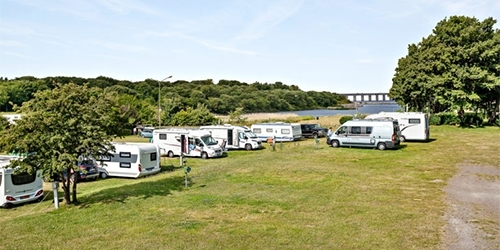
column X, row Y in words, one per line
column 40, row 198
column 402, row 139
column 248, row 147
column 315, row 135
column 103, row 175
column 8, row 205
column 170, row 154
column 204, row 155
column 334, row 143
column 381, row 146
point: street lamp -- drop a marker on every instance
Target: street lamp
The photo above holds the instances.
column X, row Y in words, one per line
column 159, row 100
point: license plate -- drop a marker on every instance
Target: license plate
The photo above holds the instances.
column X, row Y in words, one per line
column 25, row 196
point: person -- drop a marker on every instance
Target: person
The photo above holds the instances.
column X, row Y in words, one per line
column 330, row 132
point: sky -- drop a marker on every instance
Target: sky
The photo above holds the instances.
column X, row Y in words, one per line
column 337, row 46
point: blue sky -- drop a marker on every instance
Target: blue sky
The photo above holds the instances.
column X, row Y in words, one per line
column 322, row 45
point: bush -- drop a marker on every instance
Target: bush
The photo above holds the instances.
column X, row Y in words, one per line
column 471, row 119
column 435, row 120
column 343, row 119
column 449, row 118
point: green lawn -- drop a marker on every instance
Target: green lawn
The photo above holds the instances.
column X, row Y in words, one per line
column 297, row 197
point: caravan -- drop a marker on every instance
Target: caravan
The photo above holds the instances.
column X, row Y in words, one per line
column 279, row 130
column 234, row 137
column 131, row 160
column 197, row 143
column 379, row 134
column 17, row 188
column 413, row 125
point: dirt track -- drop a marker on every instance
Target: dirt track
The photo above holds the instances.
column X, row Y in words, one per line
column 473, row 197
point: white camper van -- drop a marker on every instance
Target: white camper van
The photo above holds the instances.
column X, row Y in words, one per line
column 379, row 134
column 279, row 130
column 197, row 143
column 413, row 125
column 234, row 137
column 17, row 188
column 131, row 160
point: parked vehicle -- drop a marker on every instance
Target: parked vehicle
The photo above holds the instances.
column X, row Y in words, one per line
column 413, row 125
column 234, row 137
column 88, row 169
column 279, row 130
column 197, row 143
column 313, row 130
column 131, row 160
column 18, row 188
column 146, row 132
column 379, row 134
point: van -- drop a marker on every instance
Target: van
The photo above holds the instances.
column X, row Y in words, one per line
column 379, row 134
column 18, row 188
column 132, row 160
column 234, row 137
column 280, row 131
column 413, row 125
column 197, row 143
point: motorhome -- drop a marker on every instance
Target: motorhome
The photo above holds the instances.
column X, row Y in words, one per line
column 197, row 143
column 17, row 188
column 132, row 160
column 234, row 137
column 413, row 125
column 379, row 134
column 280, row 131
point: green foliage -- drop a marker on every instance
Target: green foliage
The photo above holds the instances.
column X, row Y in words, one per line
column 449, row 118
column 236, row 117
column 435, row 119
column 60, row 125
column 343, row 119
column 4, row 123
column 193, row 117
column 472, row 119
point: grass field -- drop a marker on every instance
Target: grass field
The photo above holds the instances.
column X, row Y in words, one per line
column 298, row 197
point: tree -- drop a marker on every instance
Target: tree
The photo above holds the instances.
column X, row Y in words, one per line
column 58, row 126
column 456, row 66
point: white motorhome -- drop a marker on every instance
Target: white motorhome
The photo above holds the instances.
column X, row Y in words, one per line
column 132, row 160
column 17, row 188
column 197, row 143
column 413, row 125
column 379, row 134
column 234, row 137
column 279, row 130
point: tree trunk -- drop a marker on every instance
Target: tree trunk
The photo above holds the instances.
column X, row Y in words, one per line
column 66, row 183
column 75, row 201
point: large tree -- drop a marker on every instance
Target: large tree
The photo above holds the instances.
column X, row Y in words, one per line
column 457, row 66
column 58, row 126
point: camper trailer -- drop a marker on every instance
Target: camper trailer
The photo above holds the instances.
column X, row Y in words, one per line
column 279, row 130
column 234, row 137
column 379, row 134
column 188, row 142
column 132, row 160
column 17, row 188
column 413, row 125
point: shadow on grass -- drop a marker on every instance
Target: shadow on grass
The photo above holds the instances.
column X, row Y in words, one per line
column 421, row 141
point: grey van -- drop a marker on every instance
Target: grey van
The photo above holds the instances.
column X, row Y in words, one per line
column 381, row 134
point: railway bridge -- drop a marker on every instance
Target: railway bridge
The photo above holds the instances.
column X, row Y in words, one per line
column 368, row 97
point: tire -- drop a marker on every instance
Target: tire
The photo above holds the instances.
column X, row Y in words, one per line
column 103, row 175
column 248, row 147
column 334, row 143
column 170, row 154
column 204, row 155
column 402, row 139
column 315, row 135
column 8, row 205
column 381, row 146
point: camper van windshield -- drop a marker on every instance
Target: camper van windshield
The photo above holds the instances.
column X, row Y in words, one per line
column 209, row 140
column 250, row 134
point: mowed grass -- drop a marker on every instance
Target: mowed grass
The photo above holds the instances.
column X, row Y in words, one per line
column 298, row 197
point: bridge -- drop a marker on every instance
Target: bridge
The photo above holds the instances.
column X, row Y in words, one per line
column 368, row 97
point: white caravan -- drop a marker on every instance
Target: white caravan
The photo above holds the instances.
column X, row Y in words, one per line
column 279, row 130
column 17, row 188
column 234, row 137
column 131, row 160
column 413, row 125
column 379, row 134
column 197, row 143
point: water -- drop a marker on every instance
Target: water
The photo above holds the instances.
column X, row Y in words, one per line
column 366, row 109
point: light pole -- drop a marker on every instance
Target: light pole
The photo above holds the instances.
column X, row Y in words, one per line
column 159, row 100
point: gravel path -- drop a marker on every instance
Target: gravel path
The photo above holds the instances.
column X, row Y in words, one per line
column 473, row 197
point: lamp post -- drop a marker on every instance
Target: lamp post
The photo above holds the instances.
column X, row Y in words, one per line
column 159, row 100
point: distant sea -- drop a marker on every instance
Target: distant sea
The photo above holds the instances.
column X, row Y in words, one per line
column 366, row 109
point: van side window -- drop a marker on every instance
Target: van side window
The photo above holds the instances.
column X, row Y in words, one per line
column 152, row 157
column 369, row 130
column 125, row 155
column 414, row 121
column 285, row 131
column 269, row 130
column 163, row 136
column 341, row 130
column 356, row 130
column 257, row 130
column 23, row 178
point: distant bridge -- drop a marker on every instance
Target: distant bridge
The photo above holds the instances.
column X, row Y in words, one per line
column 368, row 97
